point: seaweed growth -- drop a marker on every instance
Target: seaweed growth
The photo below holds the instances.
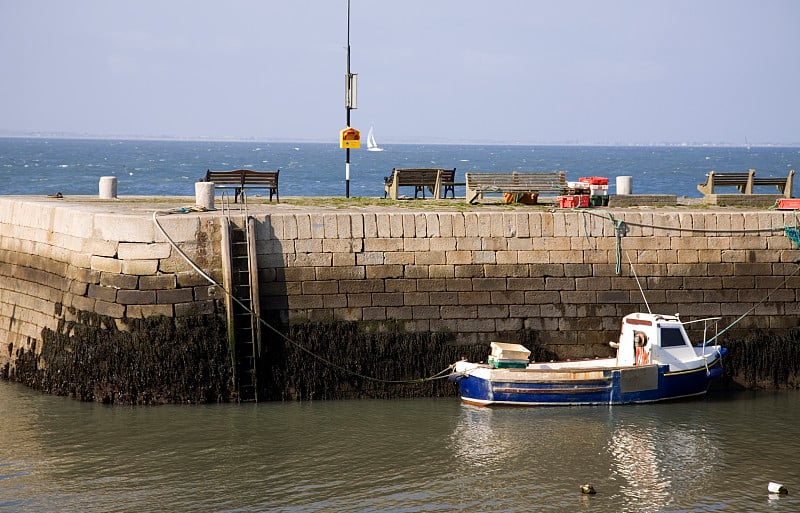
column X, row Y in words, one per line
column 359, row 364
column 763, row 360
column 157, row 360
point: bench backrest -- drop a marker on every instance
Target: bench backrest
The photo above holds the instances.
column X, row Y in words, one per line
column 415, row 176
column 225, row 177
column 261, row 178
column 243, row 177
column 546, row 181
column 730, row 178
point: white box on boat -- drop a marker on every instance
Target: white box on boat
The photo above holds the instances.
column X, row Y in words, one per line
column 598, row 190
column 506, row 351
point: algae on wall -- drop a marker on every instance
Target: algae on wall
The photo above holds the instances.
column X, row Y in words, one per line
column 764, row 360
column 342, row 360
column 157, row 360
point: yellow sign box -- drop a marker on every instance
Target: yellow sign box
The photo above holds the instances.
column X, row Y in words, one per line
column 350, row 138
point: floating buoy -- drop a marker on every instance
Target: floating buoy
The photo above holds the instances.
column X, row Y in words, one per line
column 589, row 489
column 777, row 488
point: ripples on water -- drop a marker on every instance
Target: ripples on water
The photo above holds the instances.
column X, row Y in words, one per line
column 74, row 167
column 716, row 454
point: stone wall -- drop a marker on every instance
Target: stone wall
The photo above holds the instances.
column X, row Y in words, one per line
column 477, row 275
column 564, row 274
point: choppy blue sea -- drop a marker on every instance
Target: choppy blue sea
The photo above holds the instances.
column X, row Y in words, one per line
column 41, row 166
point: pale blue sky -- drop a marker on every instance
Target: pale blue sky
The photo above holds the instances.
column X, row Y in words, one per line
column 508, row 71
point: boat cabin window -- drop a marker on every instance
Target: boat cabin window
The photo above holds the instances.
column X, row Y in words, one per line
column 672, row 337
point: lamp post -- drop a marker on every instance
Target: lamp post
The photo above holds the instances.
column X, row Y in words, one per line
column 349, row 103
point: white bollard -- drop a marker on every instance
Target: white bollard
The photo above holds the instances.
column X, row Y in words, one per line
column 624, row 185
column 204, row 195
column 108, row 187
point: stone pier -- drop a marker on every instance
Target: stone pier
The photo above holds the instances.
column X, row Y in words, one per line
column 476, row 274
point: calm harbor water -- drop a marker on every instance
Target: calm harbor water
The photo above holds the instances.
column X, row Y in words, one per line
column 42, row 166
column 714, row 454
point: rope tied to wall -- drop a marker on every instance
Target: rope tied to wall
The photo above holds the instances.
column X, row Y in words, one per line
column 792, row 232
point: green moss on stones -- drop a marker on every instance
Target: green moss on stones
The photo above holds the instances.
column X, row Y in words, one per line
column 153, row 361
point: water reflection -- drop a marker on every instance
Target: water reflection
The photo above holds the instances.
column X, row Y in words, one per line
column 641, row 458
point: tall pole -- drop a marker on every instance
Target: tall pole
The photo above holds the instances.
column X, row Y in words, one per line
column 347, row 108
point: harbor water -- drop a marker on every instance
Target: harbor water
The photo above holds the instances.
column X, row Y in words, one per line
column 714, row 454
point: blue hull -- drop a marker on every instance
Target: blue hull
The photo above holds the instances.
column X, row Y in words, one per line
column 623, row 385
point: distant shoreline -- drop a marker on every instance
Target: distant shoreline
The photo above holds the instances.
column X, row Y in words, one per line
column 90, row 137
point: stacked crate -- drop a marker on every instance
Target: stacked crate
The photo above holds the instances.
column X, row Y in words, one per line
column 589, row 191
column 598, row 190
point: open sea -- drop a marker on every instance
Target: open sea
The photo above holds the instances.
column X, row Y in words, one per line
column 42, row 166
column 715, row 454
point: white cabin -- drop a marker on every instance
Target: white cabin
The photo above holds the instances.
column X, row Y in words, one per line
column 654, row 338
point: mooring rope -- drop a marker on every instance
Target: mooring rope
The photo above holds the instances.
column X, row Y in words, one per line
column 620, row 228
column 444, row 373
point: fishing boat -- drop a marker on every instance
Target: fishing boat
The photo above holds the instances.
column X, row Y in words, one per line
column 655, row 361
column 372, row 145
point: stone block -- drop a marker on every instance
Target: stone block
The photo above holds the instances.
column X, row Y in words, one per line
column 143, row 251
column 139, row 267
column 384, row 271
column 334, row 301
column 340, row 273
column 124, row 228
column 146, row 311
column 158, row 282
column 192, row 309
column 108, row 294
column 110, row 309
column 136, row 297
column 119, row 281
column 458, row 312
column 175, row 295
column 105, row 264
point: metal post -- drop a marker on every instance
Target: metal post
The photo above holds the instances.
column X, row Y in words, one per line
column 347, row 108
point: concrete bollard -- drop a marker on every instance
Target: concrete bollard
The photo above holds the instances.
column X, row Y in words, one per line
column 108, row 187
column 624, row 185
column 204, row 195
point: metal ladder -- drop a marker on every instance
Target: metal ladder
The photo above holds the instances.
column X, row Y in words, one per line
column 240, row 270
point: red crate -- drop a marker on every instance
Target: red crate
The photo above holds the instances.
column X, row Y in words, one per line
column 594, row 180
column 789, row 204
column 573, row 201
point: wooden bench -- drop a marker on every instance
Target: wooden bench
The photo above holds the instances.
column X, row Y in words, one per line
column 514, row 182
column 419, row 178
column 241, row 179
column 784, row 185
column 744, row 182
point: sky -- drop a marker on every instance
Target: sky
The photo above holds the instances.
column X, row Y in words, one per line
column 505, row 71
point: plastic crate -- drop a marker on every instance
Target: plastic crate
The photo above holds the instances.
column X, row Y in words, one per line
column 789, row 204
column 598, row 190
column 594, row 180
column 573, row 201
column 600, row 200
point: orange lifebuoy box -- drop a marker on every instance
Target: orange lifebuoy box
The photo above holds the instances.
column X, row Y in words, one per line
column 350, row 138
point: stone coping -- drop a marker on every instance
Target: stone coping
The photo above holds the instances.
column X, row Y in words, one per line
column 146, row 205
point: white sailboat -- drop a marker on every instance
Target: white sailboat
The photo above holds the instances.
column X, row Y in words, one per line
column 372, row 145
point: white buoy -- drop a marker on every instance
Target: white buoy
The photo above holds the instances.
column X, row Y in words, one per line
column 108, row 187
column 624, row 185
column 204, row 194
column 587, row 489
column 777, row 488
